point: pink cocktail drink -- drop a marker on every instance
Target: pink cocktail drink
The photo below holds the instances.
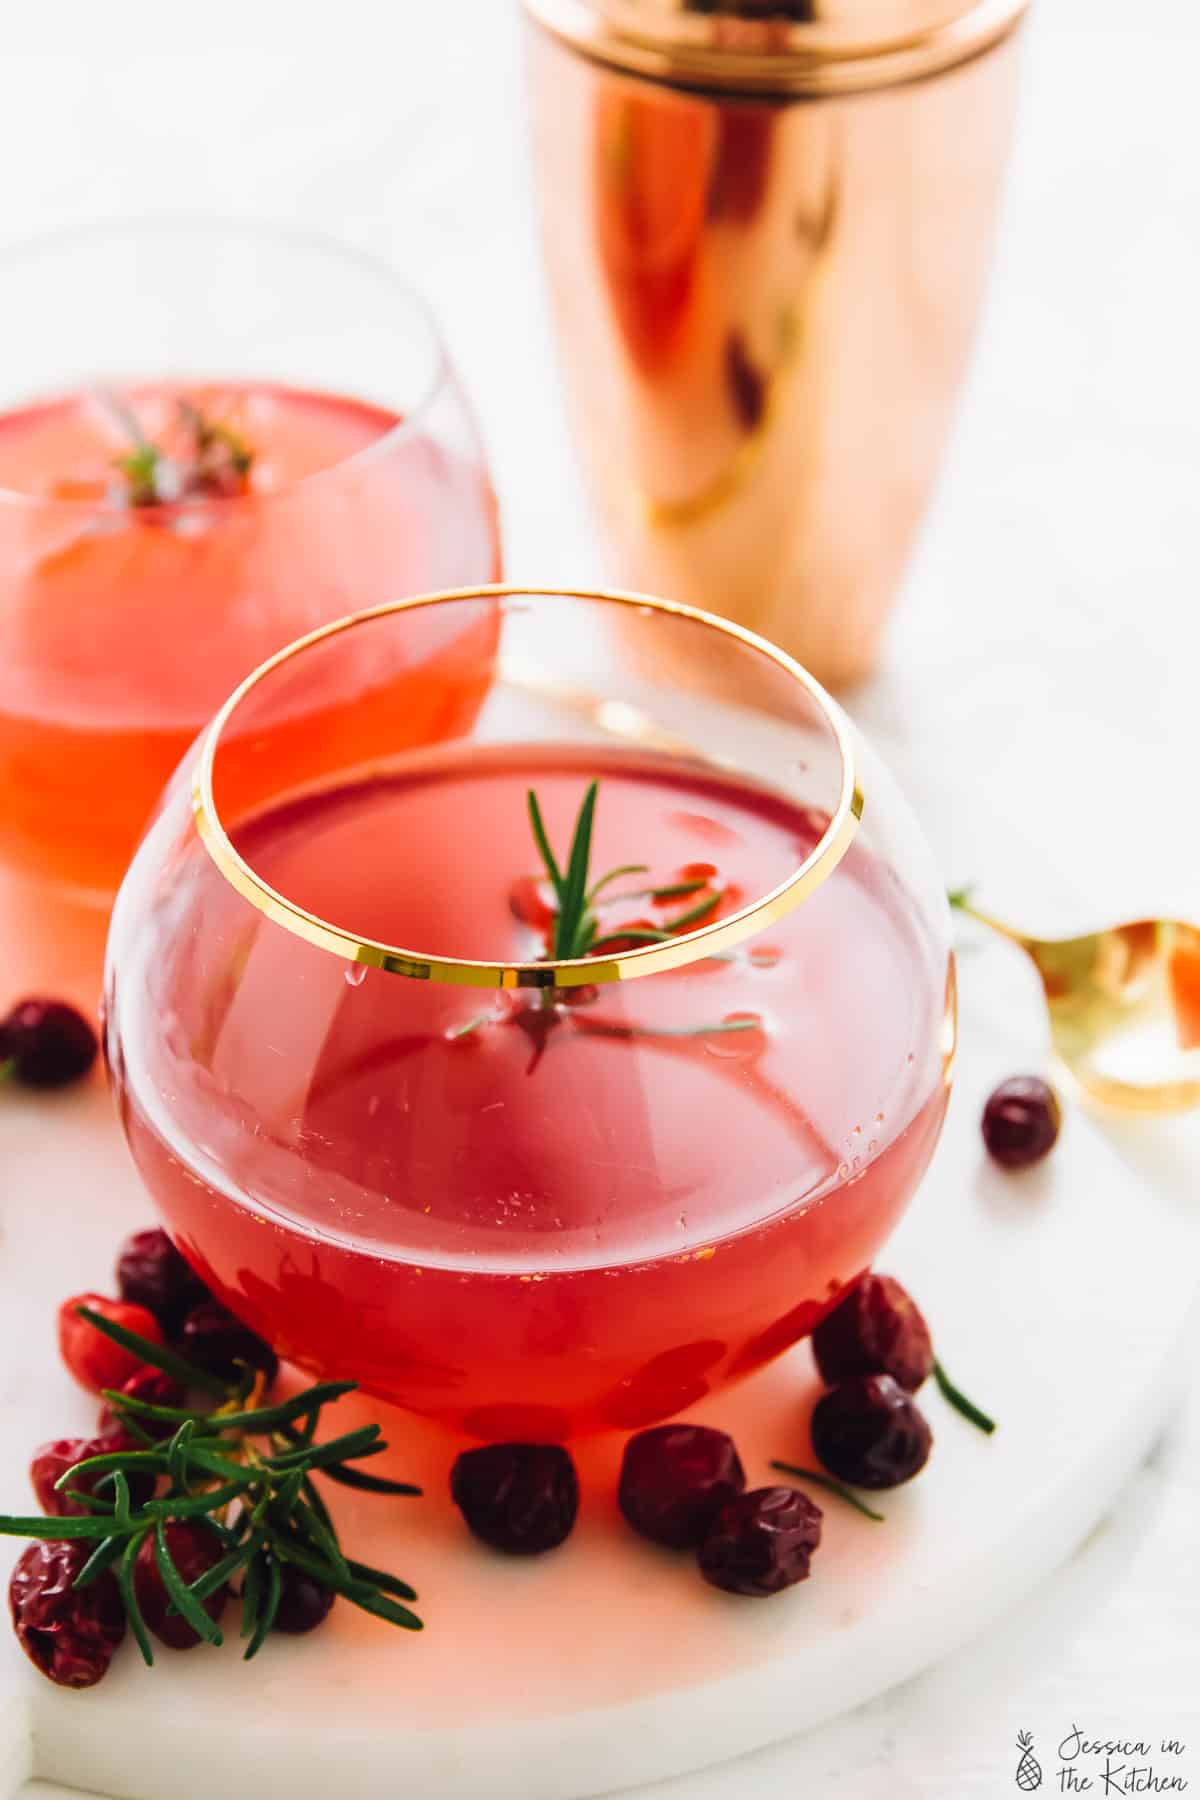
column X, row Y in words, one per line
column 298, row 448
column 131, row 622
column 532, row 1213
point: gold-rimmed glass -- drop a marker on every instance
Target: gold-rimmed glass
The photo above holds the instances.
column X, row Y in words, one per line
column 531, row 1196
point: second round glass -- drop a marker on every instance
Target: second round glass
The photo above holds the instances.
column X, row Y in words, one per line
column 123, row 626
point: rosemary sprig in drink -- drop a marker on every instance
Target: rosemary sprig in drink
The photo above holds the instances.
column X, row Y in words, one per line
column 216, row 465
column 246, row 1470
column 576, row 926
column 575, row 929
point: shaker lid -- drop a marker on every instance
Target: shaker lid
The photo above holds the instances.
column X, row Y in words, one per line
column 778, row 47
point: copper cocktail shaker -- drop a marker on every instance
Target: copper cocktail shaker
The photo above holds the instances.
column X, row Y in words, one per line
column 767, row 229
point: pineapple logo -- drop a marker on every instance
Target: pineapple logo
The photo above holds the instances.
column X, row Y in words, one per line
column 1029, row 1769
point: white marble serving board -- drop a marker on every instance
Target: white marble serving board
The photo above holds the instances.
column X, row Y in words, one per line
column 1057, row 1298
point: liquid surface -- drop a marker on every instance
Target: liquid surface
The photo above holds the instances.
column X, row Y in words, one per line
column 122, row 628
column 702, row 1158
column 68, row 449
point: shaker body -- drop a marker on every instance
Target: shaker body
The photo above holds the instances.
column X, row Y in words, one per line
column 765, row 309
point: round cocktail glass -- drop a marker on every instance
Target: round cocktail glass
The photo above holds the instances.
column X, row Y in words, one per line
column 405, row 1134
column 132, row 599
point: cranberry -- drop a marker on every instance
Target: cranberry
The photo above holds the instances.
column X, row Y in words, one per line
column 194, row 1550
column 152, row 1273
column 148, row 1384
column 876, row 1330
column 522, row 1498
column 674, row 1481
column 586, row 994
column 93, row 1359
column 47, row 1043
column 52, row 1461
column 869, row 1432
column 528, row 902
column 1021, row 1121
column 303, row 1603
column 68, row 1633
column 762, row 1542
column 213, row 1339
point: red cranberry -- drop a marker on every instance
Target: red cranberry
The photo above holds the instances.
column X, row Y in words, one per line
column 303, row 1603
column 152, row 1273
column 1021, row 1121
column 68, row 1633
column 194, row 1550
column 762, row 1542
column 674, row 1481
column 52, row 1461
column 521, row 1498
column 876, row 1330
column 93, row 1359
column 528, row 902
column 213, row 1339
column 48, row 1043
column 152, row 1385
column 870, row 1433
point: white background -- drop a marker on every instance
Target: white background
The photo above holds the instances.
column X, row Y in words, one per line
column 1048, row 650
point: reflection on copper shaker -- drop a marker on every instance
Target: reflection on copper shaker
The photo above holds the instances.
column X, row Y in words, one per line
column 766, row 230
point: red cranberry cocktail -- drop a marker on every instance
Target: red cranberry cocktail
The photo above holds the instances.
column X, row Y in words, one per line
column 550, row 1072
column 216, row 439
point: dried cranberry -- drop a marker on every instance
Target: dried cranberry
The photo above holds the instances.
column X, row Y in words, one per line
column 1021, row 1121
column 876, row 1330
column 152, row 1273
column 68, row 1633
column 521, row 1498
column 93, row 1359
column 152, row 1385
column 762, row 1542
column 47, row 1043
column 870, row 1433
column 194, row 1550
column 213, row 1339
column 51, row 1461
column 674, row 1481
column 303, row 1603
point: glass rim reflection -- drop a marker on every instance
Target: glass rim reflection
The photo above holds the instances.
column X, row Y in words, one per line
column 646, row 959
column 270, row 234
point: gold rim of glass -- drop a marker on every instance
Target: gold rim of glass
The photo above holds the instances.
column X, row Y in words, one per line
column 646, row 959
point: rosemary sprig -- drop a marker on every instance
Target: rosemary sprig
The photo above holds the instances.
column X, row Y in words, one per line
column 816, row 1479
column 247, row 1470
column 218, row 466
column 958, row 1400
column 576, row 931
column 575, row 925
column 575, row 922
column 150, row 475
column 222, row 457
